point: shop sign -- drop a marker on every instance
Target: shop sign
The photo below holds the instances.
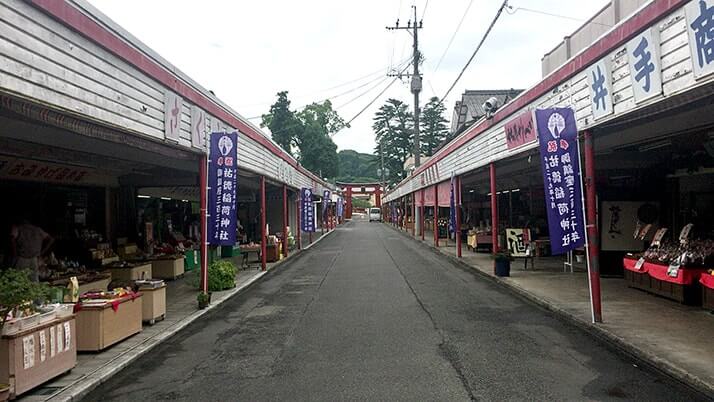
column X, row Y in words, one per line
column 600, row 83
column 325, row 204
column 308, row 211
column 172, row 116
column 284, row 172
column 700, row 20
column 684, row 234
column 520, row 131
column 198, row 127
column 48, row 172
column 645, row 66
column 222, row 186
column 560, row 158
column 518, row 242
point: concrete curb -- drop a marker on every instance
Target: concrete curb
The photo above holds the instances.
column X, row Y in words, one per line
column 607, row 338
column 85, row 385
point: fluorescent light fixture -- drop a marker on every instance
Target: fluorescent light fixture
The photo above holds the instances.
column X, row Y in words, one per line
column 166, row 198
column 655, row 145
column 472, row 190
column 515, row 190
column 184, row 200
column 142, row 196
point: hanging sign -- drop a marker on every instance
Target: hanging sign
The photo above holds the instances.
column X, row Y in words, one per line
column 560, row 158
column 684, row 234
column 659, row 235
column 307, row 217
column 520, row 130
column 518, row 241
column 452, row 207
column 222, row 184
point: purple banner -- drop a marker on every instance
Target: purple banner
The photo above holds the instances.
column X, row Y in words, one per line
column 560, row 158
column 452, row 206
column 222, row 185
column 325, row 204
column 340, row 207
column 307, row 217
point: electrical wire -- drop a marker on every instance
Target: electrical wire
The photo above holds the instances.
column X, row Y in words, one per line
column 530, row 10
column 483, row 39
column 463, row 17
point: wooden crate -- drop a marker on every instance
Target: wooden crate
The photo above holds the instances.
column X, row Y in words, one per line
column 153, row 304
column 141, row 271
column 167, row 268
column 638, row 280
column 100, row 326
column 12, row 363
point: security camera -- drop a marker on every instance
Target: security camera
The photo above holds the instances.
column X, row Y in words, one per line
column 490, row 105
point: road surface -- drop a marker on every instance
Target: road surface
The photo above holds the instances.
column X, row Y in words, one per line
column 367, row 314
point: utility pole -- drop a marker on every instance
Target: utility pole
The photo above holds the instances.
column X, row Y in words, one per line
column 416, row 79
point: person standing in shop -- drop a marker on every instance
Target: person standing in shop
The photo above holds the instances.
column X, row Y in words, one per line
column 27, row 244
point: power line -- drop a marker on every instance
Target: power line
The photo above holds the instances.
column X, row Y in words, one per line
column 530, row 10
column 463, row 17
column 483, row 39
column 383, row 79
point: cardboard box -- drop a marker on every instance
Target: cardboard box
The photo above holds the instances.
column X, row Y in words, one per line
column 26, row 363
column 153, row 303
column 167, row 268
column 100, row 326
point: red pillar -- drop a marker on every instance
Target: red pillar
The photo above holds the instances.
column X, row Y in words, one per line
column 458, row 215
column 378, row 197
column 298, row 228
column 494, row 209
column 263, row 235
column 348, row 209
column 593, row 235
column 203, row 179
column 421, row 215
column 285, row 220
column 436, row 215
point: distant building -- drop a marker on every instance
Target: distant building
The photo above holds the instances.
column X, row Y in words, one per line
column 470, row 108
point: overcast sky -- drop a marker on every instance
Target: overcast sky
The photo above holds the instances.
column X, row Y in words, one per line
column 247, row 51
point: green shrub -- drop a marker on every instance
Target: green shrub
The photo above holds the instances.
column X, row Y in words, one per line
column 16, row 289
column 221, row 275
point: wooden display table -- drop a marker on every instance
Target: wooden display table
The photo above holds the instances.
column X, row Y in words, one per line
column 102, row 325
column 246, row 251
column 132, row 272
column 33, row 356
column 153, row 303
column 654, row 278
column 167, row 268
column 707, row 282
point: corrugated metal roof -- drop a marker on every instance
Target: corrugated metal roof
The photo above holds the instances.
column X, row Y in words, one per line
column 470, row 107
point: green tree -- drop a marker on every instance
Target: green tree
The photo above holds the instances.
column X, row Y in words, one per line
column 318, row 153
column 393, row 127
column 282, row 122
column 433, row 126
column 357, row 167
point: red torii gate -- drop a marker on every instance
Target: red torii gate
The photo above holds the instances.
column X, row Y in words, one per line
column 350, row 189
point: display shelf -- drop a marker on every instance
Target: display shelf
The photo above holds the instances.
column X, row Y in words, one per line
column 167, row 268
column 102, row 325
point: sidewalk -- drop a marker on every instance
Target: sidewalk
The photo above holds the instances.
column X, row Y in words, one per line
column 181, row 309
column 676, row 339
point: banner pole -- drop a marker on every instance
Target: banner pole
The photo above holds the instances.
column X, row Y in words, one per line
column 591, row 232
column 587, row 245
column 203, row 179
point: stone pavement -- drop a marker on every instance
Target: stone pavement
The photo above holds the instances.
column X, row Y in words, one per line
column 181, row 309
column 673, row 338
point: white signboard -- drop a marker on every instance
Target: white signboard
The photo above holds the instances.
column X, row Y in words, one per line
column 198, row 127
column 172, row 116
column 600, row 84
column 700, row 20
column 645, row 67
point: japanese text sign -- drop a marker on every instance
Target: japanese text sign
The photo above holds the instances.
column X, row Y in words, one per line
column 645, row 68
column 222, row 185
column 325, row 204
column 340, row 207
column 560, row 158
column 172, row 115
column 600, row 83
column 700, row 28
column 308, row 211
column 520, row 130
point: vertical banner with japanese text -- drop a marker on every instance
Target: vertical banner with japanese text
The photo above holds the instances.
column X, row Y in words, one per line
column 325, row 204
column 308, row 211
column 560, row 159
column 222, row 184
column 340, row 207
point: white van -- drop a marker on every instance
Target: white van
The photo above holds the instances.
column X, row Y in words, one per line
column 375, row 215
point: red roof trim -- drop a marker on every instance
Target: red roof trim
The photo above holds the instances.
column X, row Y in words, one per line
column 613, row 39
column 78, row 21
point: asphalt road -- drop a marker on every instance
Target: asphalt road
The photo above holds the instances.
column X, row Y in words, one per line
column 367, row 314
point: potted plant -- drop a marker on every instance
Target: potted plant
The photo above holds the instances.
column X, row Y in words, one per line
column 502, row 263
column 204, row 299
column 16, row 291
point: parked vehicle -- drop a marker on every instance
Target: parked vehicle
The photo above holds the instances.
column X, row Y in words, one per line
column 375, row 214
